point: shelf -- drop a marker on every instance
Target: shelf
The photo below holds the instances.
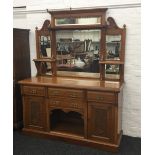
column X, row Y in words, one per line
column 113, row 42
column 69, row 128
column 44, row 60
column 112, row 62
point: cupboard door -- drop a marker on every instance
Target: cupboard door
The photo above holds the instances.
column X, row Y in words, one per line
column 100, row 122
column 34, row 112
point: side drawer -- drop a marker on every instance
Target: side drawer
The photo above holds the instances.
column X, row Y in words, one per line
column 32, row 90
column 105, row 97
column 70, row 93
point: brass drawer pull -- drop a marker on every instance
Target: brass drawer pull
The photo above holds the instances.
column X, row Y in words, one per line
column 74, row 105
column 99, row 98
column 73, row 95
column 55, row 102
column 33, row 91
column 55, row 93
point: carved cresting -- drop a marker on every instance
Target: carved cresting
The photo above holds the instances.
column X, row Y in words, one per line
column 112, row 24
column 45, row 27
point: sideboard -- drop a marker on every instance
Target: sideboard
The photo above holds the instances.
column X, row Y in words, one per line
column 85, row 111
column 77, row 92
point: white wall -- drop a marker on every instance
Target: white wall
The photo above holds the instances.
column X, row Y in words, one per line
column 129, row 15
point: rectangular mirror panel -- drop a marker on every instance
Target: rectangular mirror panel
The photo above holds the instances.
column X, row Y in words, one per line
column 45, row 46
column 112, row 71
column 78, row 21
column 113, row 47
column 78, row 50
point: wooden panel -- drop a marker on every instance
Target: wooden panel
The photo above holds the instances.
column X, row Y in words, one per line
column 31, row 90
column 34, row 113
column 100, row 122
column 105, row 97
column 72, row 93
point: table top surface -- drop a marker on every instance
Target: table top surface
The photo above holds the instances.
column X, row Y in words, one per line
column 76, row 83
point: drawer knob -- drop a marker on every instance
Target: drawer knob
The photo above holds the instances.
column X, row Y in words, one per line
column 55, row 92
column 99, row 98
column 34, row 91
column 74, row 105
column 55, row 102
column 73, row 95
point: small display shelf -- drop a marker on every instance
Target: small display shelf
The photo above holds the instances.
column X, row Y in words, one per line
column 112, row 62
column 45, row 66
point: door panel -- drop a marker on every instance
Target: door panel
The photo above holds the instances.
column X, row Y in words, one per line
column 100, row 122
column 34, row 112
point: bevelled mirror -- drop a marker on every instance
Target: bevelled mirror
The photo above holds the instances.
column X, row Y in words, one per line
column 113, row 47
column 112, row 71
column 78, row 51
column 45, row 46
column 43, row 41
column 77, row 21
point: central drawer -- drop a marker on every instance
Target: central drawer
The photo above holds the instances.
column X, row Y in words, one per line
column 67, row 93
column 66, row 103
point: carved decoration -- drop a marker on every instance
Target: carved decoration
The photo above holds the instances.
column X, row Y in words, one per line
column 112, row 23
column 46, row 26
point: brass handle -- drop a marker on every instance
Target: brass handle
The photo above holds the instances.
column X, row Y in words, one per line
column 74, row 105
column 73, row 95
column 55, row 92
column 55, row 102
column 34, row 91
column 99, row 98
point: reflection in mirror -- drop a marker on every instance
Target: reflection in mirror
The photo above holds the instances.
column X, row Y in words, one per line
column 78, row 50
column 78, row 21
column 113, row 46
column 112, row 71
column 45, row 46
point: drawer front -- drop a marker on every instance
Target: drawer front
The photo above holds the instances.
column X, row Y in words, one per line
column 66, row 103
column 31, row 90
column 74, row 104
column 105, row 97
column 71, row 93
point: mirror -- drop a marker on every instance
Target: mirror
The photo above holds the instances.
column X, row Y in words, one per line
column 77, row 21
column 45, row 46
column 112, row 71
column 78, row 50
column 113, row 47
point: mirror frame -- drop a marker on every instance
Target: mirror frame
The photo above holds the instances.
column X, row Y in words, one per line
column 113, row 29
column 107, row 27
column 99, row 12
column 44, row 31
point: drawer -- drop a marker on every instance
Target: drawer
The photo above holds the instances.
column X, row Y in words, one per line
column 71, row 93
column 66, row 103
column 74, row 104
column 31, row 90
column 105, row 97
column 55, row 103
